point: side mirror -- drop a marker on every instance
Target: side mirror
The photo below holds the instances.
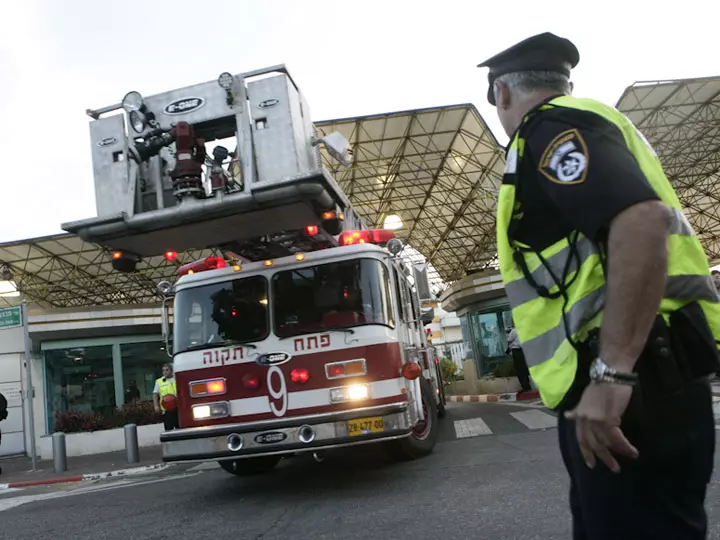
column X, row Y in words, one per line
column 165, row 322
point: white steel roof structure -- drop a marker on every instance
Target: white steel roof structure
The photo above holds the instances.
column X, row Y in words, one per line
column 65, row 271
column 438, row 169
column 681, row 120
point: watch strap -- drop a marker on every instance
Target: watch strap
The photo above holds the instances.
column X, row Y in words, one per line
column 601, row 372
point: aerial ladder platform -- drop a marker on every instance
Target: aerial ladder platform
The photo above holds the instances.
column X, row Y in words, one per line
column 260, row 192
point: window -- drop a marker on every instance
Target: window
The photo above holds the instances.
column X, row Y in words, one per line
column 229, row 312
column 489, row 332
column 334, row 295
column 402, row 295
column 142, row 365
column 80, row 378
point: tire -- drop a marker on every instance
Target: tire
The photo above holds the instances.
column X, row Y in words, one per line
column 421, row 441
column 250, row 466
column 441, row 386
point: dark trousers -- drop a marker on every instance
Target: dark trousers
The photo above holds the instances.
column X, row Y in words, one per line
column 171, row 420
column 521, row 369
column 662, row 493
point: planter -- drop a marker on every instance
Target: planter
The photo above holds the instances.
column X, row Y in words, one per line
column 498, row 385
column 460, row 388
column 99, row 442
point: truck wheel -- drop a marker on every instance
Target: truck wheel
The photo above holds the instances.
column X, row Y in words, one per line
column 441, row 395
column 441, row 412
column 421, row 441
column 250, row 466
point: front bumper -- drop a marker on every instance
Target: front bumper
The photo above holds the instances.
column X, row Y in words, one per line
column 282, row 436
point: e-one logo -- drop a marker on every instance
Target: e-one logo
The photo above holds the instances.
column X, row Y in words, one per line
column 270, row 438
column 184, row 105
column 272, row 359
column 107, row 141
column 268, row 103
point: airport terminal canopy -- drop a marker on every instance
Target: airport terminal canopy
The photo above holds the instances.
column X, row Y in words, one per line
column 433, row 174
column 64, row 271
column 681, row 120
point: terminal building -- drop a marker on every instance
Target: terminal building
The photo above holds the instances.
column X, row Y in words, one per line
column 432, row 175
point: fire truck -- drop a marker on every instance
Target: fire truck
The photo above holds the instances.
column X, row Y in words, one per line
column 304, row 333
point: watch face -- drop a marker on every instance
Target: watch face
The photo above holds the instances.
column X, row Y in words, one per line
column 596, row 371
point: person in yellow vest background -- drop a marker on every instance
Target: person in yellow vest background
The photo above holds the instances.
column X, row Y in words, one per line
column 612, row 299
column 164, row 386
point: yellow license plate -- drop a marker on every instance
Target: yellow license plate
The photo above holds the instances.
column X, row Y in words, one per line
column 364, row 426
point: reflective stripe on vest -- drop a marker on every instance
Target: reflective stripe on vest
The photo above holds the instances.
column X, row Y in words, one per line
column 166, row 387
column 543, row 324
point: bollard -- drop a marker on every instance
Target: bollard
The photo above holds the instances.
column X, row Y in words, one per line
column 59, row 452
column 132, row 451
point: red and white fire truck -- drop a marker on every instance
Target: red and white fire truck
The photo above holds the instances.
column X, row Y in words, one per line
column 306, row 333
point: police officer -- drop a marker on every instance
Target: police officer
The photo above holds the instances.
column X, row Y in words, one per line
column 612, row 300
column 165, row 385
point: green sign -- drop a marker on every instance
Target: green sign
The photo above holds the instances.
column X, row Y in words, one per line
column 10, row 317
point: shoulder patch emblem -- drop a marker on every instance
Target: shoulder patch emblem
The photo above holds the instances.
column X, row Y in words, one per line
column 566, row 159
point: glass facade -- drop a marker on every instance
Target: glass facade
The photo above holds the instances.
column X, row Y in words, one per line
column 141, row 367
column 100, row 374
column 79, row 378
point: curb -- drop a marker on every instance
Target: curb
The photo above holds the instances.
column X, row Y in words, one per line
column 494, row 398
column 86, row 477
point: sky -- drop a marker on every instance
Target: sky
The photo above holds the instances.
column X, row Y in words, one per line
column 58, row 59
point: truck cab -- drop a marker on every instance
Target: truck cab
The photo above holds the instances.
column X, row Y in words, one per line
column 300, row 354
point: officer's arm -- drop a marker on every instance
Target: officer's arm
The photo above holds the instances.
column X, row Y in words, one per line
column 637, row 270
column 599, row 187
column 156, row 396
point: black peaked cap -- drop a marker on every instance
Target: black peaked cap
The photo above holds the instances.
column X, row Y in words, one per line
column 542, row 52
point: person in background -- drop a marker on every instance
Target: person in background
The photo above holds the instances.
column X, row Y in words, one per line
column 164, row 386
column 521, row 368
column 132, row 392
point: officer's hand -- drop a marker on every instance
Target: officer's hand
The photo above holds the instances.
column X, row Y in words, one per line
column 597, row 420
column 157, row 409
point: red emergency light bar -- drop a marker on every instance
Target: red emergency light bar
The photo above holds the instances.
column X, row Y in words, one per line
column 372, row 236
column 209, row 263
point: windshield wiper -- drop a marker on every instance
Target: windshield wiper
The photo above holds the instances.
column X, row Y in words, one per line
column 201, row 346
column 339, row 329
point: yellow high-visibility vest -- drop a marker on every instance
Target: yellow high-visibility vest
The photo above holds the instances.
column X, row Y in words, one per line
column 544, row 321
column 166, row 387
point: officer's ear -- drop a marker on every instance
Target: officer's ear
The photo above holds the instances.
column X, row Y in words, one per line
column 502, row 95
column 572, row 87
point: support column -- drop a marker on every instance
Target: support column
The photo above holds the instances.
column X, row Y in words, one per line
column 118, row 375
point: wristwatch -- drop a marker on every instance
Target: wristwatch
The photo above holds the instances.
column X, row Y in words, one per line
column 601, row 372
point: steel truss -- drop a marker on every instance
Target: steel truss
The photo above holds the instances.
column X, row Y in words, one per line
column 681, row 120
column 64, row 271
column 439, row 169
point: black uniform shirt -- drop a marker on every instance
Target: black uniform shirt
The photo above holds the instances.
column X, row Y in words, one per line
column 576, row 174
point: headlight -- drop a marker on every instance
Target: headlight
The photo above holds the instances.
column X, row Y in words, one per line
column 354, row 392
column 138, row 121
column 132, row 101
column 211, row 410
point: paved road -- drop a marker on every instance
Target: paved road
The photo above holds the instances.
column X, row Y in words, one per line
column 496, row 477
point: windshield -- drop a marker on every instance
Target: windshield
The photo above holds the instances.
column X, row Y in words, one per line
column 334, row 295
column 232, row 311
